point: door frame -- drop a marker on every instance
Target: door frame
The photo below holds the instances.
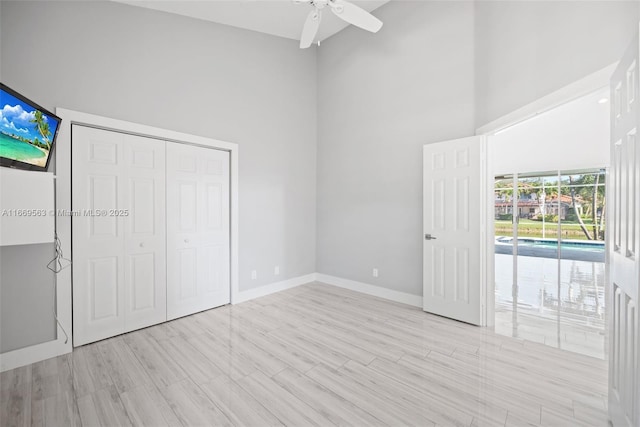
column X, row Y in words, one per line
column 63, row 187
column 584, row 86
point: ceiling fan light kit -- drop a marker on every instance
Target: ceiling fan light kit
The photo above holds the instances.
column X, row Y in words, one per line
column 344, row 10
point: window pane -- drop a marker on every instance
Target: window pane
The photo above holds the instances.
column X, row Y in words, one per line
column 504, row 245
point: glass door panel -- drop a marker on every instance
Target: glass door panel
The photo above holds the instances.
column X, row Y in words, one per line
column 550, row 259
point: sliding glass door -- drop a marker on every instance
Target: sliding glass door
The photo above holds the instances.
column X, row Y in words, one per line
column 549, row 258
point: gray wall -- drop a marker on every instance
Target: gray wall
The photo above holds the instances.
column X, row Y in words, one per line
column 380, row 98
column 27, row 296
column 436, row 71
column 190, row 76
column 528, row 49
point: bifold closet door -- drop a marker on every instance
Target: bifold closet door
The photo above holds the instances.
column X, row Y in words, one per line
column 118, row 225
column 197, row 229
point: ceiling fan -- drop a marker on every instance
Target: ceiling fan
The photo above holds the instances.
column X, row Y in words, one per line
column 344, row 10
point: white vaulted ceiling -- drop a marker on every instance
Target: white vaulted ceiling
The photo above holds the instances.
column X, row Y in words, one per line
column 281, row 18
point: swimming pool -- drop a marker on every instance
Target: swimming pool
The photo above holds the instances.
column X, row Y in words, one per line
column 579, row 250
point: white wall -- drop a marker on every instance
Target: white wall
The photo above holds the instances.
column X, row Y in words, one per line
column 190, row 76
column 572, row 136
column 528, row 49
column 380, row 98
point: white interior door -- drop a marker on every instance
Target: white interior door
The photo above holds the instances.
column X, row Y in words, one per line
column 197, row 229
column 98, row 256
column 454, row 240
column 144, row 232
column 118, row 225
column 624, row 238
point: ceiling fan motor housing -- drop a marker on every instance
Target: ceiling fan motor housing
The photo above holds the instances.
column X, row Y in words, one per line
column 344, row 10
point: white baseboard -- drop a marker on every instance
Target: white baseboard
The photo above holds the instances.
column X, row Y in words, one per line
column 35, row 353
column 376, row 291
column 365, row 288
column 272, row 288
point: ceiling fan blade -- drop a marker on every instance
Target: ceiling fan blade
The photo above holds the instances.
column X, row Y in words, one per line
column 310, row 28
column 355, row 15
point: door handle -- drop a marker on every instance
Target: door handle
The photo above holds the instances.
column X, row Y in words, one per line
column 429, row 237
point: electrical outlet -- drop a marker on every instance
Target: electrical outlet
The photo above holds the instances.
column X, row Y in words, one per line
column 254, row 274
column 276, row 270
column 375, row 272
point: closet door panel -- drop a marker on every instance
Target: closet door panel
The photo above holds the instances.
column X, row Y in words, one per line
column 142, row 278
column 182, row 228
column 215, row 225
column 198, row 229
column 215, row 274
column 145, row 232
column 119, row 230
column 186, row 277
column 103, row 296
column 187, row 214
column 182, row 244
column 98, row 238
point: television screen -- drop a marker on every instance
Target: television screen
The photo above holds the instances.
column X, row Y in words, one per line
column 27, row 132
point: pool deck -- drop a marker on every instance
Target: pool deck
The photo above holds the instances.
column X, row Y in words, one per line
column 560, row 302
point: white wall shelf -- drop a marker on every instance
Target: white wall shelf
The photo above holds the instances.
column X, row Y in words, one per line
column 27, row 206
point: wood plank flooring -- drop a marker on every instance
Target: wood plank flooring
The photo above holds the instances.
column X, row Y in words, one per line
column 315, row 355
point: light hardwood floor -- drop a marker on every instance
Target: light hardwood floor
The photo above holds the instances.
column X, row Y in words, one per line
column 313, row 355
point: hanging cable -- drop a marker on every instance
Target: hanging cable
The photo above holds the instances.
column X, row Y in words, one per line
column 57, row 264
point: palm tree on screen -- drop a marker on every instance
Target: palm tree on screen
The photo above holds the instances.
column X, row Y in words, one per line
column 42, row 125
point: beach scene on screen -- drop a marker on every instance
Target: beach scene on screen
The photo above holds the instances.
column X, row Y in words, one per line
column 26, row 134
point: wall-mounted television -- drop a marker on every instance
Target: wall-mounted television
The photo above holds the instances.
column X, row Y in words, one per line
column 27, row 132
